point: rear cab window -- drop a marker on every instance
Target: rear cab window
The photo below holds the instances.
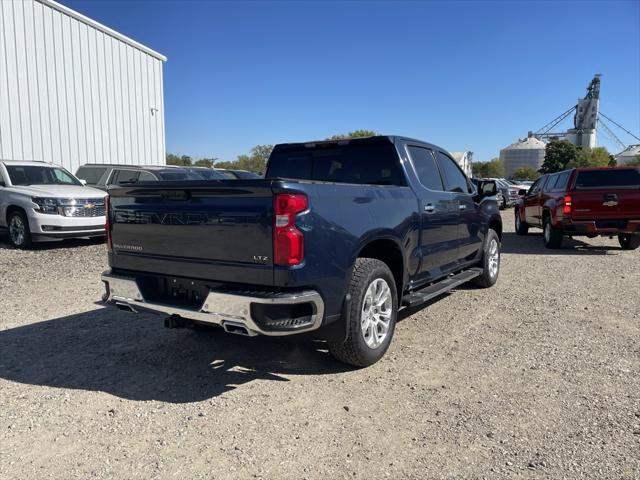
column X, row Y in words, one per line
column 614, row 178
column 368, row 162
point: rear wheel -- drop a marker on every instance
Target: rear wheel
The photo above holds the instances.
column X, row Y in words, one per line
column 490, row 261
column 372, row 314
column 522, row 228
column 19, row 233
column 552, row 236
column 629, row 241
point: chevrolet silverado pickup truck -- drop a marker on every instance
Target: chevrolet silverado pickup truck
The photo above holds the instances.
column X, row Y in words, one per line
column 334, row 240
column 583, row 201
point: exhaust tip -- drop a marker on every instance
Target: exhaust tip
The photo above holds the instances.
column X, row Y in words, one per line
column 236, row 328
column 125, row 307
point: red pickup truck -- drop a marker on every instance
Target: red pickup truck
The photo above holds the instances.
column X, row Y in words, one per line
column 583, row 201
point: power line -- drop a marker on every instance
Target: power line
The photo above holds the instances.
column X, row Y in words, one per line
column 620, row 126
column 612, row 136
column 554, row 122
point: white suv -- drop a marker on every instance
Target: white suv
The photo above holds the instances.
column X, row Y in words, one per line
column 40, row 201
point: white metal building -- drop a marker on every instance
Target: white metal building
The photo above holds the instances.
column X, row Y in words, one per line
column 73, row 91
column 465, row 160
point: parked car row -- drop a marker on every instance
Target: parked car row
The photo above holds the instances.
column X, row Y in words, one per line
column 105, row 175
column 40, row 201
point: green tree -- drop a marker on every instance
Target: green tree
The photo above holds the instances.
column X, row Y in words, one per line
column 354, row 134
column 525, row 173
column 256, row 161
column 591, row 157
column 494, row 168
column 558, row 154
column 183, row 161
column 205, row 162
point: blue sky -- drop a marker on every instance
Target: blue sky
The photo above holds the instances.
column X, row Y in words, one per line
column 464, row 75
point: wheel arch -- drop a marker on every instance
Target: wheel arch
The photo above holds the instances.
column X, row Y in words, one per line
column 495, row 223
column 388, row 251
column 14, row 208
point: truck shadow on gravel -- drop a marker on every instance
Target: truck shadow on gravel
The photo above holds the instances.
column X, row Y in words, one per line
column 135, row 357
column 533, row 244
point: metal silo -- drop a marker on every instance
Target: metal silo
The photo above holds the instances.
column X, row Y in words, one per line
column 528, row 152
column 628, row 155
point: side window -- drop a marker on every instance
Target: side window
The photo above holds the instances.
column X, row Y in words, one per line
column 537, row 185
column 147, row 177
column 426, row 168
column 561, row 183
column 550, row 185
column 125, row 176
column 454, row 179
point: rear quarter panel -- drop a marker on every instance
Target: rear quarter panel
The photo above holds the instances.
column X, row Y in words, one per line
column 341, row 220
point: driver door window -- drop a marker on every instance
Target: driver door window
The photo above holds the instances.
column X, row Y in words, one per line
column 535, row 188
column 455, row 180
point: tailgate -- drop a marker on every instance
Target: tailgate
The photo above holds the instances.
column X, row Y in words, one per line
column 612, row 194
column 195, row 230
column 605, row 204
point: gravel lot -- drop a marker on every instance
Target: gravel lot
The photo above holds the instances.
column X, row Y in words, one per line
column 537, row 377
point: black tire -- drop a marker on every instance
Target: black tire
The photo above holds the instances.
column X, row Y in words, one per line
column 552, row 236
column 490, row 270
column 522, row 228
column 18, row 228
column 629, row 241
column 355, row 350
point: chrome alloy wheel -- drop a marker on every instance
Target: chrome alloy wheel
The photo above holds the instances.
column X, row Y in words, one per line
column 17, row 230
column 494, row 258
column 377, row 308
column 517, row 221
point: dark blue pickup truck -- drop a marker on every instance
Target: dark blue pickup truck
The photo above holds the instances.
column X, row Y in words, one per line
column 334, row 240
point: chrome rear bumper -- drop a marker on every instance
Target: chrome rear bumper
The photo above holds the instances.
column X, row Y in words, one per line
column 226, row 309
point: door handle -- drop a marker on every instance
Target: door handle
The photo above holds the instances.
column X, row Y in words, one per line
column 462, row 207
column 429, row 208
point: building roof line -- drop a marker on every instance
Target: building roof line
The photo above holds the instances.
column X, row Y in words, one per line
column 102, row 28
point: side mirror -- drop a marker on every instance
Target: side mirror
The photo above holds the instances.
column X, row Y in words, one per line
column 488, row 188
column 83, row 182
column 522, row 192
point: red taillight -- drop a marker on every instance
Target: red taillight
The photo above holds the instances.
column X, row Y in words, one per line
column 567, row 205
column 288, row 241
column 107, row 225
